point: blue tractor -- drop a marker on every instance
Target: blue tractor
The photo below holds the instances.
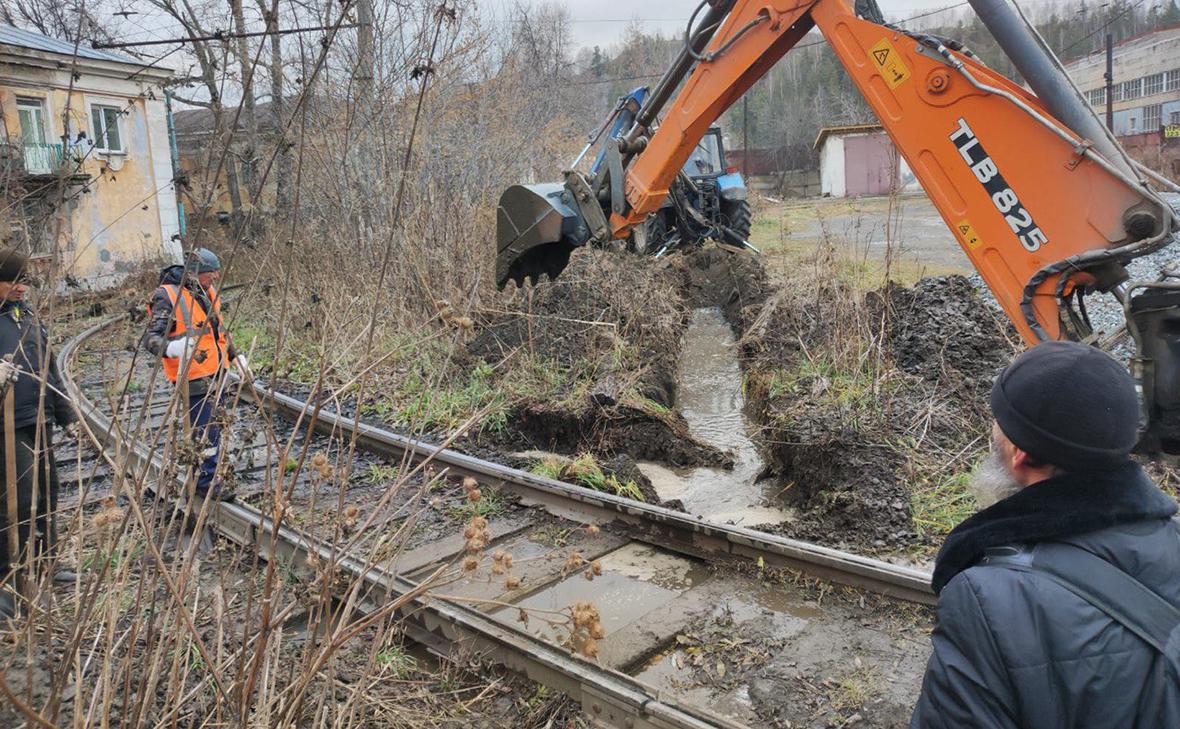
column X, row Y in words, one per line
column 708, row 199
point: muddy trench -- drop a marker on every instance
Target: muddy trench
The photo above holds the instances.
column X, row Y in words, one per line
column 852, row 454
column 710, row 399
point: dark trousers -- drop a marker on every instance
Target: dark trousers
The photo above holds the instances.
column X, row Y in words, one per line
column 43, row 538
column 202, row 412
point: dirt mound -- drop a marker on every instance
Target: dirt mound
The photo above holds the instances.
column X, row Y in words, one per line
column 943, row 331
column 713, row 276
column 611, row 326
column 608, row 312
column 612, row 432
column 867, row 401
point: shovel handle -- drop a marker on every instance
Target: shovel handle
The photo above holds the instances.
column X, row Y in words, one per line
column 10, row 475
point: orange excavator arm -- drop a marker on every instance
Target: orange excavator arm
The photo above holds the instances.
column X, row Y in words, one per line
column 1015, row 192
column 1040, row 209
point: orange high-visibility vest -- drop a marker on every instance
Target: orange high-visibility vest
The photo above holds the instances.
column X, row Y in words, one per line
column 190, row 317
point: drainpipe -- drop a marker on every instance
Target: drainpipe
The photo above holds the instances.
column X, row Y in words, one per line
column 175, row 153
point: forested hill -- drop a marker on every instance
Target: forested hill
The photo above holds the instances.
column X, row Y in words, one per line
column 809, row 90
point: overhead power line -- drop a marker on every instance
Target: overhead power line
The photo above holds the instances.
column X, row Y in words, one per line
column 1100, row 28
column 222, row 35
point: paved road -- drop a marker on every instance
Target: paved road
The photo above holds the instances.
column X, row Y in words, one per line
column 868, row 226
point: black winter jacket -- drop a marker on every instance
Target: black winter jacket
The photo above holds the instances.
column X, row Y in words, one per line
column 159, row 328
column 23, row 336
column 1014, row 649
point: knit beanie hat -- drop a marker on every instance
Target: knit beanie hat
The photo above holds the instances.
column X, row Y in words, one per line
column 13, row 265
column 1069, row 405
column 205, row 261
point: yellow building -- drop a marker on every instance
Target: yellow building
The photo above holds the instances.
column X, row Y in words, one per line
column 85, row 163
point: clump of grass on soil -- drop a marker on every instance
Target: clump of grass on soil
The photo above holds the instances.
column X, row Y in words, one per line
column 585, row 470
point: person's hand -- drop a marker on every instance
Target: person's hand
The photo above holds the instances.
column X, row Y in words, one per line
column 180, row 348
column 243, row 365
column 8, row 371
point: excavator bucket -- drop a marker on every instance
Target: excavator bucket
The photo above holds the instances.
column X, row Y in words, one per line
column 536, row 229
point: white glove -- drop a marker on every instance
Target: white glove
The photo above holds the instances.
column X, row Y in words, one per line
column 243, row 365
column 179, row 348
column 8, row 371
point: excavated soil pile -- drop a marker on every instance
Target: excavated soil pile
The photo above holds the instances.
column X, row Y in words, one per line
column 942, row 331
column 612, row 324
column 864, row 400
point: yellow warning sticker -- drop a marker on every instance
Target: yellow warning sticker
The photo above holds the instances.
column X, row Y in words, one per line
column 889, row 62
column 967, row 231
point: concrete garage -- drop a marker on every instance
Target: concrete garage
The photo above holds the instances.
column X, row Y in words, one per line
column 859, row 161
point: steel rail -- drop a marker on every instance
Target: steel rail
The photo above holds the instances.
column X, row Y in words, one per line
column 608, row 697
column 653, row 524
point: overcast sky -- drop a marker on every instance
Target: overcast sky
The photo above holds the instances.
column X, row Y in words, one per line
column 602, row 22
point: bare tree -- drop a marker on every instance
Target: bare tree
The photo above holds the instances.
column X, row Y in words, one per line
column 249, row 105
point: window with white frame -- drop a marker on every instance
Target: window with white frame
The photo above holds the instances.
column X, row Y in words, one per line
column 1116, row 92
column 1152, row 117
column 1098, row 97
column 1132, row 125
column 1153, row 84
column 1132, row 89
column 1174, row 117
column 108, row 133
column 1172, row 80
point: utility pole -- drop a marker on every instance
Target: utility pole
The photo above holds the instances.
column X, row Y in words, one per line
column 746, row 134
column 1109, row 82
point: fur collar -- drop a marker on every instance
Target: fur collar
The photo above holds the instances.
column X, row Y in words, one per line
column 1060, row 507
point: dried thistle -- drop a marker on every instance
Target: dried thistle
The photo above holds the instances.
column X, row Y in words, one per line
column 573, row 562
column 512, row 583
column 589, row 648
column 470, row 564
column 592, row 529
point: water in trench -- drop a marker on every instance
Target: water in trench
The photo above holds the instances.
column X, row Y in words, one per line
column 709, row 396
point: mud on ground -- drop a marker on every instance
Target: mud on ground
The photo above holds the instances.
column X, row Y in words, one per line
column 870, row 406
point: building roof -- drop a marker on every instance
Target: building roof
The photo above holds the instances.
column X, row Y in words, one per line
column 13, row 36
column 1144, row 39
column 188, row 122
column 845, row 130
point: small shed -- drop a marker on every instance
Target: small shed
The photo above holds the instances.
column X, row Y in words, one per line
column 858, row 160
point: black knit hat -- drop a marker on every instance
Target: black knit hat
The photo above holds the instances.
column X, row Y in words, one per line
column 1069, row 405
column 13, row 265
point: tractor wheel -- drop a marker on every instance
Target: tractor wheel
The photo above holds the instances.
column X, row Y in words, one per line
column 656, row 229
column 737, row 212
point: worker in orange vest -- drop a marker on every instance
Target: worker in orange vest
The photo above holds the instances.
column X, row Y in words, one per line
column 187, row 333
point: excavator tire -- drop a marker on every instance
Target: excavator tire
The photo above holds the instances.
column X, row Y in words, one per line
column 739, row 216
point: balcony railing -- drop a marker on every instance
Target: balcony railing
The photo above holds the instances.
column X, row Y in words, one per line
column 42, row 159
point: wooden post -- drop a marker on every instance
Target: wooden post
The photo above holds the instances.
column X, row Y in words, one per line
column 10, row 475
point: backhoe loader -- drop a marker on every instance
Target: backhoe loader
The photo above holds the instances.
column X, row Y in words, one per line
column 1039, row 194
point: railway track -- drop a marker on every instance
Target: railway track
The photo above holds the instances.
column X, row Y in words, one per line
column 693, row 616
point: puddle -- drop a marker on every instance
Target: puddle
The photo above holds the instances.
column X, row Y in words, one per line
column 672, row 672
column 709, row 396
column 766, row 656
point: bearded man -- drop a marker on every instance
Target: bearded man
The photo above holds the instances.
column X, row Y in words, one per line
column 1058, row 602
